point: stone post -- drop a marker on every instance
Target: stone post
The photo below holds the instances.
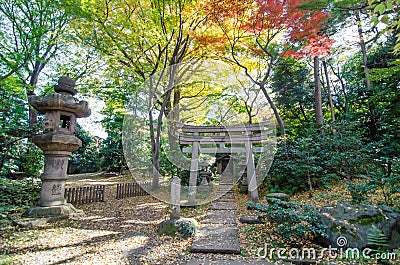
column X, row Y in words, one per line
column 251, row 173
column 194, row 167
column 175, row 198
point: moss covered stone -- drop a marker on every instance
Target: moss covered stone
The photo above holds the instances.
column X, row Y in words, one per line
column 184, row 227
column 366, row 220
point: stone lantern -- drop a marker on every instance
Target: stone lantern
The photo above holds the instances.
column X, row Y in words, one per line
column 58, row 142
column 205, row 174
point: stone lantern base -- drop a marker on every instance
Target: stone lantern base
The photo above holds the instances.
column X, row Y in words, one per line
column 57, row 148
column 64, row 210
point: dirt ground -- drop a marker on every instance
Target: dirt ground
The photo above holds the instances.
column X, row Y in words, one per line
column 112, row 232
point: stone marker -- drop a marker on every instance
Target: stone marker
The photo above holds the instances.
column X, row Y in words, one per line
column 57, row 142
column 175, row 198
column 186, row 227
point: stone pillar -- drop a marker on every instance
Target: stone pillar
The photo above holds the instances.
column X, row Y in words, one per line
column 251, row 173
column 57, row 149
column 175, row 198
column 194, row 167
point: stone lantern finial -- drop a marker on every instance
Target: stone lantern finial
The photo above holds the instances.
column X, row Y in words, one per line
column 66, row 85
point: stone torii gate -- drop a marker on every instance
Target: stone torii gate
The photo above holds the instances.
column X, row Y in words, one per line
column 240, row 138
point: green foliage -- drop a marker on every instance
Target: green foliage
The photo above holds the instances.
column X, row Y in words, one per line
column 321, row 155
column 6, row 260
column 21, row 193
column 16, row 196
column 186, row 229
column 112, row 157
column 294, row 92
column 87, row 156
column 292, row 220
column 386, row 13
column 377, row 239
column 360, row 191
column 17, row 154
column 388, row 185
column 291, row 166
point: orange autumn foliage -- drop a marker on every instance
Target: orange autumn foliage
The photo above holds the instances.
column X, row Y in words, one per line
column 279, row 21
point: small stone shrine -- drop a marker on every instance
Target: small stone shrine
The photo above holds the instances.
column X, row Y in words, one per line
column 58, row 142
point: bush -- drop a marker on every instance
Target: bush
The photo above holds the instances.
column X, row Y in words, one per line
column 292, row 220
column 360, row 191
column 186, row 229
column 16, row 196
column 319, row 157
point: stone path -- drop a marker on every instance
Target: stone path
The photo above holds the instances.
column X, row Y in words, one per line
column 218, row 232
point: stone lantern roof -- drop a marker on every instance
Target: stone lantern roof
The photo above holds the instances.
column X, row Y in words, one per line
column 62, row 99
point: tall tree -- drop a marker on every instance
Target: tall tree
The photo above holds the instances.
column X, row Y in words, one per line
column 32, row 35
column 253, row 32
column 142, row 38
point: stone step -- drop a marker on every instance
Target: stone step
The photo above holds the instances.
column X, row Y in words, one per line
column 217, row 231
column 222, row 206
column 224, row 200
column 216, row 239
column 224, row 196
column 220, row 217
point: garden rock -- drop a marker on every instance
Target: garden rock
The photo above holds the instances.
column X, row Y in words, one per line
column 186, row 227
column 278, row 195
column 354, row 222
column 251, row 220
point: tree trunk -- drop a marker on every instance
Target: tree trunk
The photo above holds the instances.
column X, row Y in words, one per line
column 274, row 109
column 303, row 113
column 328, row 88
column 154, row 147
column 318, row 97
column 363, row 50
column 33, row 120
column 342, row 86
column 372, row 122
column 310, row 191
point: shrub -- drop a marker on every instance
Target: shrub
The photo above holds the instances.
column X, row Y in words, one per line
column 16, row 195
column 186, row 229
column 360, row 191
column 292, row 220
